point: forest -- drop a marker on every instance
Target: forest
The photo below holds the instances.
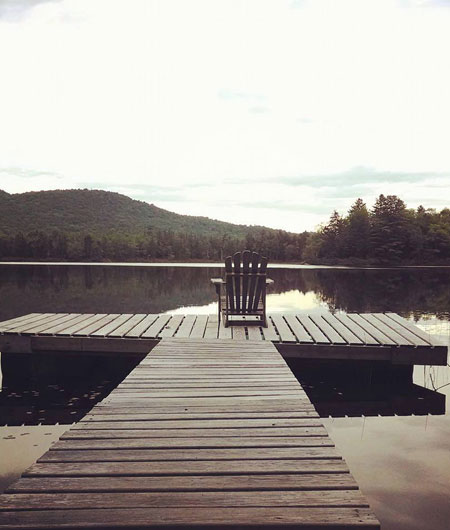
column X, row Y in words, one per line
column 389, row 233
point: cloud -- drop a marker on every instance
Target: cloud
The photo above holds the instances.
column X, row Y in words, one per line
column 358, row 176
column 423, row 3
column 25, row 173
column 15, row 10
column 259, row 110
column 230, row 95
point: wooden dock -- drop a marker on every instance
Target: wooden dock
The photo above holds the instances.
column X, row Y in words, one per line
column 366, row 336
column 201, row 434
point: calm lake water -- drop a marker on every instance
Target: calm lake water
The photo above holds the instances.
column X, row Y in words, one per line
column 396, row 439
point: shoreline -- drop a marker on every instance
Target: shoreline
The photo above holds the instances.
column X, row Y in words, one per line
column 215, row 264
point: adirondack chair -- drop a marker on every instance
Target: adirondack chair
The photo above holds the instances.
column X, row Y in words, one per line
column 242, row 294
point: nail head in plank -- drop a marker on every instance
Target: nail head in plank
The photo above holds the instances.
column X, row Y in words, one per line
column 143, row 325
column 154, row 330
column 171, row 326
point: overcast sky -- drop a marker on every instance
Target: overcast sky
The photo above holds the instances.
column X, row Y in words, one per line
column 265, row 112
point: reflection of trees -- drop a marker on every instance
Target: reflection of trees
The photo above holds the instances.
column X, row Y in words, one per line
column 404, row 291
column 92, row 289
column 111, row 289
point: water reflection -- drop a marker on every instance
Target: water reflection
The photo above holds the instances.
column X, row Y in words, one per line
column 56, row 388
column 339, row 389
column 21, row 446
column 402, row 465
column 116, row 289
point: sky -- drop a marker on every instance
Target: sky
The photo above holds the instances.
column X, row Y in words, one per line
column 269, row 112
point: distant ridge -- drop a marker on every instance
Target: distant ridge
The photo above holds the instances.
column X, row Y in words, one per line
column 99, row 212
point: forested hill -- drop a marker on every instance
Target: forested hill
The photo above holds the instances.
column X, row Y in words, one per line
column 98, row 212
column 95, row 225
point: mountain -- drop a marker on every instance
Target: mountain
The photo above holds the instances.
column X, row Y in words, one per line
column 99, row 212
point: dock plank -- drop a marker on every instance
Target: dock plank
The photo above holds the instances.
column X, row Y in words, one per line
column 270, row 333
column 143, row 325
column 157, row 326
column 371, row 329
column 146, row 455
column 212, row 327
column 356, row 329
column 298, row 330
column 185, row 329
column 427, row 337
column 198, row 329
column 194, row 443
column 404, row 332
column 13, row 323
column 326, row 328
column 41, row 325
column 93, row 324
column 186, row 467
column 316, row 333
column 127, row 326
column 112, row 325
column 241, row 482
column 67, row 328
column 341, row 329
column 36, row 501
column 386, row 330
column 283, row 329
column 239, row 333
column 183, row 517
column 171, row 326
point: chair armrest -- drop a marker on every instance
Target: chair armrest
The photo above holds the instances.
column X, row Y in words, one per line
column 217, row 281
column 269, row 281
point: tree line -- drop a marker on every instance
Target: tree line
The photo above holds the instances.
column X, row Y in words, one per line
column 152, row 245
column 388, row 233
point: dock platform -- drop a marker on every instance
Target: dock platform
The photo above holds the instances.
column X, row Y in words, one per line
column 203, row 433
column 367, row 336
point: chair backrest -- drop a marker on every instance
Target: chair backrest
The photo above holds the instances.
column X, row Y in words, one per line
column 245, row 275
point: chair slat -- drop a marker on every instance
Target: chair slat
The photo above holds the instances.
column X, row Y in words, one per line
column 237, row 280
column 245, row 269
column 260, row 283
column 252, row 287
column 229, row 284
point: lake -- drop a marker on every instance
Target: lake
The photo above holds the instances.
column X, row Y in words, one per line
column 396, row 439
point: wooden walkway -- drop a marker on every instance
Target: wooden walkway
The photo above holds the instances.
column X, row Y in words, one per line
column 201, row 434
column 366, row 336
